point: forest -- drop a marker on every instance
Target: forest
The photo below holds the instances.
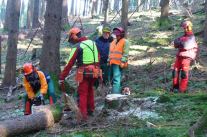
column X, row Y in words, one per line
column 153, row 85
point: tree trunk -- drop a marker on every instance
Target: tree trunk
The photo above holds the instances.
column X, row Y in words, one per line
column 13, row 29
column 0, row 54
column 7, row 16
column 94, row 8
column 30, row 14
column 22, row 15
column 35, row 20
column 85, row 8
column 65, row 13
column 124, row 15
column 42, row 118
column 116, row 5
column 205, row 25
column 106, row 11
column 72, row 7
column 42, row 9
column 50, row 57
column 3, row 11
column 164, row 4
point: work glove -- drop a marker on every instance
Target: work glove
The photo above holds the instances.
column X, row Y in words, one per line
column 36, row 101
column 42, row 99
column 124, row 59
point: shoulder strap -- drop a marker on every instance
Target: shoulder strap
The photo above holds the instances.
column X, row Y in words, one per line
column 91, row 50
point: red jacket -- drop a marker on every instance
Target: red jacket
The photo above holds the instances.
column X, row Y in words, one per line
column 187, row 46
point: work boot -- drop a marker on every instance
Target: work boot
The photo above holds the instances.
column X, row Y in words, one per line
column 90, row 113
column 174, row 90
column 51, row 101
column 27, row 108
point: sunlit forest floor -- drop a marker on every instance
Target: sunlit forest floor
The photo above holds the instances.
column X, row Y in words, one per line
column 163, row 114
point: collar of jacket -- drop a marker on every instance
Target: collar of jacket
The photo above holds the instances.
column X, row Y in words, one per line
column 110, row 39
column 188, row 33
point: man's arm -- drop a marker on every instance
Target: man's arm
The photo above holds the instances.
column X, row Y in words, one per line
column 125, row 52
column 72, row 59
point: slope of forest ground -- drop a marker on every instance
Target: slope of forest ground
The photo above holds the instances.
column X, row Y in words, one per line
column 149, row 78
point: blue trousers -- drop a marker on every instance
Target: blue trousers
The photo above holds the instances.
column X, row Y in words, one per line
column 115, row 73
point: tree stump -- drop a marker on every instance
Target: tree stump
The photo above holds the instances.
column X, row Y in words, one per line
column 42, row 117
column 116, row 101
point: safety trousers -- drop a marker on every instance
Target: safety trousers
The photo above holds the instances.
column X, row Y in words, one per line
column 50, row 95
column 86, row 97
column 114, row 76
column 181, row 73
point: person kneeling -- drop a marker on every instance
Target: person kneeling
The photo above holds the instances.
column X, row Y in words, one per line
column 38, row 86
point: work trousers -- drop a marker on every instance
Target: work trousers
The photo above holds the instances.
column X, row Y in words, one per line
column 115, row 73
column 181, row 70
column 86, row 96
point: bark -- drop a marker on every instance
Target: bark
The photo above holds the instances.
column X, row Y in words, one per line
column 65, row 12
column 7, row 15
column 164, row 4
column 205, row 25
column 42, row 118
column 50, row 57
column 30, row 14
column 13, row 29
column 124, row 15
column 106, row 11
column 35, row 20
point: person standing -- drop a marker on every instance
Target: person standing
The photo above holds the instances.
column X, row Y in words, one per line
column 103, row 44
column 187, row 52
column 118, row 58
column 86, row 56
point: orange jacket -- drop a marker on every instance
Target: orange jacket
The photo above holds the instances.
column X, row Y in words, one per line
column 116, row 51
column 43, row 88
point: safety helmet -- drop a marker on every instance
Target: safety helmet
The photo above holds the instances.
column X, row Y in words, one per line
column 27, row 68
column 119, row 31
column 72, row 34
column 106, row 29
column 187, row 25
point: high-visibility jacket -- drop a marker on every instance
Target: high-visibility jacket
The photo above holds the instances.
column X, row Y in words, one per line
column 118, row 51
column 43, row 88
column 86, row 53
column 187, row 46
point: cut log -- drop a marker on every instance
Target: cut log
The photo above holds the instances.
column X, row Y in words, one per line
column 198, row 125
column 42, row 117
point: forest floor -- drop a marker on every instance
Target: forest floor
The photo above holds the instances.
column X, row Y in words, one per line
column 153, row 111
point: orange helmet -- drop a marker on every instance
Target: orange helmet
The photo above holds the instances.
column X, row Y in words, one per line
column 73, row 34
column 27, row 68
column 74, row 30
